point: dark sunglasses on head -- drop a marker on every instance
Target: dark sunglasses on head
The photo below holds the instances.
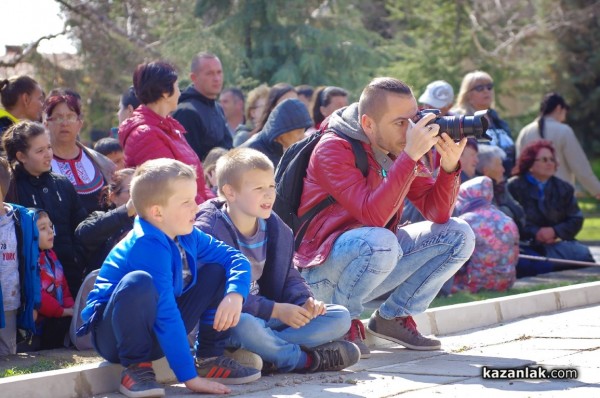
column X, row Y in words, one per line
column 480, row 87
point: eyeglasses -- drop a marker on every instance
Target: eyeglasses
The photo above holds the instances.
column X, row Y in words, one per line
column 480, row 87
column 544, row 159
column 63, row 119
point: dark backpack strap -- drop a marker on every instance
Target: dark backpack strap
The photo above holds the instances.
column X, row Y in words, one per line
column 308, row 216
column 360, row 155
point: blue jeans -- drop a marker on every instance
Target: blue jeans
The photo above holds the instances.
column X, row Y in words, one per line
column 413, row 264
column 125, row 332
column 280, row 344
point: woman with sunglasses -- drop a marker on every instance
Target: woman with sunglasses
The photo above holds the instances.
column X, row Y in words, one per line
column 476, row 94
column 88, row 170
column 572, row 160
column 553, row 217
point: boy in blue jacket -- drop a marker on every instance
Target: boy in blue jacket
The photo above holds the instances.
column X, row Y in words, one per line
column 159, row 281
column 281, row 321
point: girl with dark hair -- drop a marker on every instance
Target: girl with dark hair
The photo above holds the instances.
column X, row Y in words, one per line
column 22, row 99
column 29, row 151
column 85, row 168
column 101, row 230
column 277, row 94
column 553, row 217
column 550, row 125
column 326, row 101
column 151, row 132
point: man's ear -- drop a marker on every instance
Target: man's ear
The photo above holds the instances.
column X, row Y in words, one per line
column 367, row 124
column 229, row 192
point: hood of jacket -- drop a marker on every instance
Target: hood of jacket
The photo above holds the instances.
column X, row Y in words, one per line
column 190, row 93
column 143, row 117
column 289, row 115
column 474, row 193
column 346, row 120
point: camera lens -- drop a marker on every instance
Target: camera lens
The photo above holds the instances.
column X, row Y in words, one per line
column 458, row 127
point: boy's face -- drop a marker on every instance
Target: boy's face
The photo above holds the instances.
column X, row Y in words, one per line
column 118, row 159
column 178, row 215
column 255, row 195
column 46, row 230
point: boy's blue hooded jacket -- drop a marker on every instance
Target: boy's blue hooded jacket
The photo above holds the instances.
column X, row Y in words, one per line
column 147, row 248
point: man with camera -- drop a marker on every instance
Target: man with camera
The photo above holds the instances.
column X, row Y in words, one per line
column 354, row 251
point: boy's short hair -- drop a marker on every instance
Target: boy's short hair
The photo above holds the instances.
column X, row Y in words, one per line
column 5, row 177
column 151, row 182
column 108, row 145
column 234, row 163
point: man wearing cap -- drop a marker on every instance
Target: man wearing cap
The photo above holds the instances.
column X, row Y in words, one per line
column 438, row 95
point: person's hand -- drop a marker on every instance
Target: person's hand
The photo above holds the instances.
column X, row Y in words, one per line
column 198, row 384
column 314, row 307
column 546, row 235
column 228, row 312
column 67, row 312
column 450, row 152
column 292, row 315
column 35, row 315
column 421, row 138
column 130, row 208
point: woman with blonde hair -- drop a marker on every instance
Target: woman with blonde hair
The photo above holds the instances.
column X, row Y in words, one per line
column 476, row 94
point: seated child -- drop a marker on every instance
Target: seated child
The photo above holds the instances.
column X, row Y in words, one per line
column 281, row 321
column 54, row 315
column 162, row 279
column 20, row 293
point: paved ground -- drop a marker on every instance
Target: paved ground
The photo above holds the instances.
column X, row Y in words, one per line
column 569, row 339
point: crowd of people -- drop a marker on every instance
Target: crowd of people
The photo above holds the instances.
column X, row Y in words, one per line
column 172, row 215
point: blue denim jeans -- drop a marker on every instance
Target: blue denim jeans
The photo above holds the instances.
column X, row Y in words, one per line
column 412, row 264
column 279, row 344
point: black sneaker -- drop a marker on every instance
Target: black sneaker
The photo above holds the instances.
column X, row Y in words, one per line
column 138, row 380
column 333, row 356
column 225, row 370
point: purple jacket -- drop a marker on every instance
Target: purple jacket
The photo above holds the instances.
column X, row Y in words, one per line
column 280, row 281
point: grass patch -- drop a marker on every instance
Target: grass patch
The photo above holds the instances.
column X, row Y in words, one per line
column 42, row 365
column 466, row 297
column 590, row 231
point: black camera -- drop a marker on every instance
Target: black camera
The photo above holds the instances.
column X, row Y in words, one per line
column 460, row 126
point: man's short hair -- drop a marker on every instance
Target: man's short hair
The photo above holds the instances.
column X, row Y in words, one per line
column 234, row 163
column 373, row 100
column 485, row 155
column 151, row 182
column 198, row 59
column 236, row 92
column 5, row 176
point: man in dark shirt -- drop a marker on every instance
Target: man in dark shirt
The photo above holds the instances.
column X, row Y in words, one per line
column 199, row 112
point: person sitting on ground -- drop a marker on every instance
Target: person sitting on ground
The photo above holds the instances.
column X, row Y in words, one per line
column 490, row 163
column 553, row 217
column 495, row 233
column 160, row 281
column 56, row 310
column 285, row 126
column 571, row 159
column 103, row 229
column 209, row 165
column 326, row 101
column 289, row 328
column 112, row 149
column 28, row 149
column 151, row 133
column 20, row 295
column 22, row 99
column 355, row 250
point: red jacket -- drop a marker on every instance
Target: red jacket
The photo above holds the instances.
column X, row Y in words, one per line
column 372, row 201
column 147, row 135
column 50, row 281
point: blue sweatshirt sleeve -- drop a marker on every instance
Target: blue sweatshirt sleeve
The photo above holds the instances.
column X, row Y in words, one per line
column 237, row 267
column 151, row 255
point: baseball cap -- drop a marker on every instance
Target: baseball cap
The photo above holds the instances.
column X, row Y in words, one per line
column 438, row 94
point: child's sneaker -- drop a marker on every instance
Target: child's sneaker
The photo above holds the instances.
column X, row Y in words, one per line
column 225, row 370
column 138, row 380
column 336, row 355
column 245, row 358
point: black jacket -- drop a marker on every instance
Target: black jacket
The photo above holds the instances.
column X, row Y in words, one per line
column 56, row 195
column 558, row 209
column 100, row 232
column 204, row 122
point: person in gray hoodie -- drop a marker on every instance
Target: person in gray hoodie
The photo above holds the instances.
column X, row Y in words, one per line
column 284, row 127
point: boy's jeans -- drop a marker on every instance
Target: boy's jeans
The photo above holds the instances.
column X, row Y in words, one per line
column 125, row 333
column 413, row 264
column 279, row 344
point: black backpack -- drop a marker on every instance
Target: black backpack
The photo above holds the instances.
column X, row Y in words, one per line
column 289, row 181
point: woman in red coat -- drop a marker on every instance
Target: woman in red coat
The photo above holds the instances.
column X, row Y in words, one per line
column 150, row 132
